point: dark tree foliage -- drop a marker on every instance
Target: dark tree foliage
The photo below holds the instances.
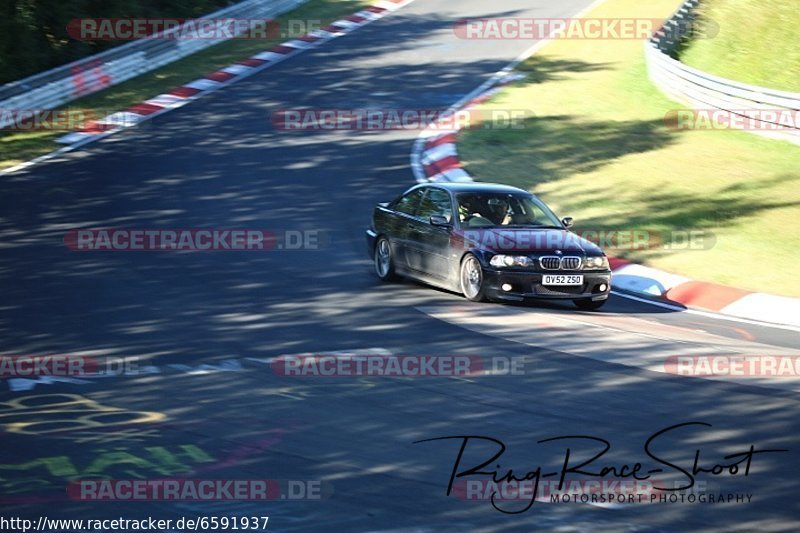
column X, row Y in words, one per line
column 33, row 33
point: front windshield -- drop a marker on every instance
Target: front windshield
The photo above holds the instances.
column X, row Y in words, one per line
column 489, row 210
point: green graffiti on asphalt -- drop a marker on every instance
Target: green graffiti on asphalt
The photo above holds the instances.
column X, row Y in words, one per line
column 120, row 462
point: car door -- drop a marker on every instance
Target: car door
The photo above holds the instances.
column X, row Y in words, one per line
column 404, row 211
column 429, row 245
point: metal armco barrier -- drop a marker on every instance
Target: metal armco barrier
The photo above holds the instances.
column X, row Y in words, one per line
column 56, row 87
column 701, row 90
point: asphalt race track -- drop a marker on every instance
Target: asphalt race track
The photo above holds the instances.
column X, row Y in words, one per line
column 220, row 163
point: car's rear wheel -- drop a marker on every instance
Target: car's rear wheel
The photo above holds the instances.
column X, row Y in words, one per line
column 384, row 263
column 472, row 279
column 588, row 304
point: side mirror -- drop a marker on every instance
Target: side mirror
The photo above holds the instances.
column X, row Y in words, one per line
column 440, row 221
column 567, row 221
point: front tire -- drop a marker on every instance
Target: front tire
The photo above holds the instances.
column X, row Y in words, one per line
column 589, row 305
column 472, row 279
column 384, row 262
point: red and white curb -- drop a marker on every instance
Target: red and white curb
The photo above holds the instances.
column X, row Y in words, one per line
column 731, row 301
column 191, row 91
column 435, row 156
column 435, row 159
column 231, row 74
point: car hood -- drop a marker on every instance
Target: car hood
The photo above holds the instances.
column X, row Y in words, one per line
column 528, row 240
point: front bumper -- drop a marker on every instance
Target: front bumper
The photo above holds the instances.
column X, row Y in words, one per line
column 528, row 285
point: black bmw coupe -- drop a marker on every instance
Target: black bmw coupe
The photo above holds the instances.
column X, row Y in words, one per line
column 486, row 241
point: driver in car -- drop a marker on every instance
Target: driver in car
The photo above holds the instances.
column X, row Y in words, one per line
column 480, row 212
column 499, row 212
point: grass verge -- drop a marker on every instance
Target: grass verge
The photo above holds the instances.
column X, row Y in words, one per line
column 18, row 147
column 756, row 44
column 598, row 148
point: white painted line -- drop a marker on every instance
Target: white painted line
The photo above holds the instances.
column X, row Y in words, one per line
column 297, row 44
column 325, row 35
column 369, row 15
column 236, row 69
column 168, row 101
column 430, row 135
column 71, row 138
column 624, row 342
column 337, row 354
column 347, row 24
column 389, row 6
column 269, row 56
column 706, row 314
column 122, row 118
column 202, row 84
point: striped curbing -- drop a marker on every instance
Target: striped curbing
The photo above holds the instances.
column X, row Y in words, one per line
column 435, row 159
column 193, row 90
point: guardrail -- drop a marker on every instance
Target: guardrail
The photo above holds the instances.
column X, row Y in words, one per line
column 61, row 85
column 701, row 90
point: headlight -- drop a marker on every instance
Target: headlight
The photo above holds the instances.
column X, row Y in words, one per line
column 596, row 263
column 501, row 261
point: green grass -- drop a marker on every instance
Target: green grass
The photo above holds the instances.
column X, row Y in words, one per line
column 757, row 42
column 598, row 149
column 17, row 147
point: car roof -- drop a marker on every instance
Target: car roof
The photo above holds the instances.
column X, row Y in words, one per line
column 475, row 186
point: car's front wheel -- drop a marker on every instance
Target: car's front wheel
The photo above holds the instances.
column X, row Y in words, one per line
column 472, row 279
column 587, row 304
column 384, row 263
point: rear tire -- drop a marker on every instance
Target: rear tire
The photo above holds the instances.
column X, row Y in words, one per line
column 589, row 305
column 384, row 263
column 471, row 278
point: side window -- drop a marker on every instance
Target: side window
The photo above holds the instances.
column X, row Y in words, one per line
column 409, row 203
column 436, row 202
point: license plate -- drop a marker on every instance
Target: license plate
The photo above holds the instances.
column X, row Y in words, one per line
column 561, row 279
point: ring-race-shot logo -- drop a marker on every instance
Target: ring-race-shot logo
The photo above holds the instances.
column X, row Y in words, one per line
column 193, row 240
column 595, row 491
